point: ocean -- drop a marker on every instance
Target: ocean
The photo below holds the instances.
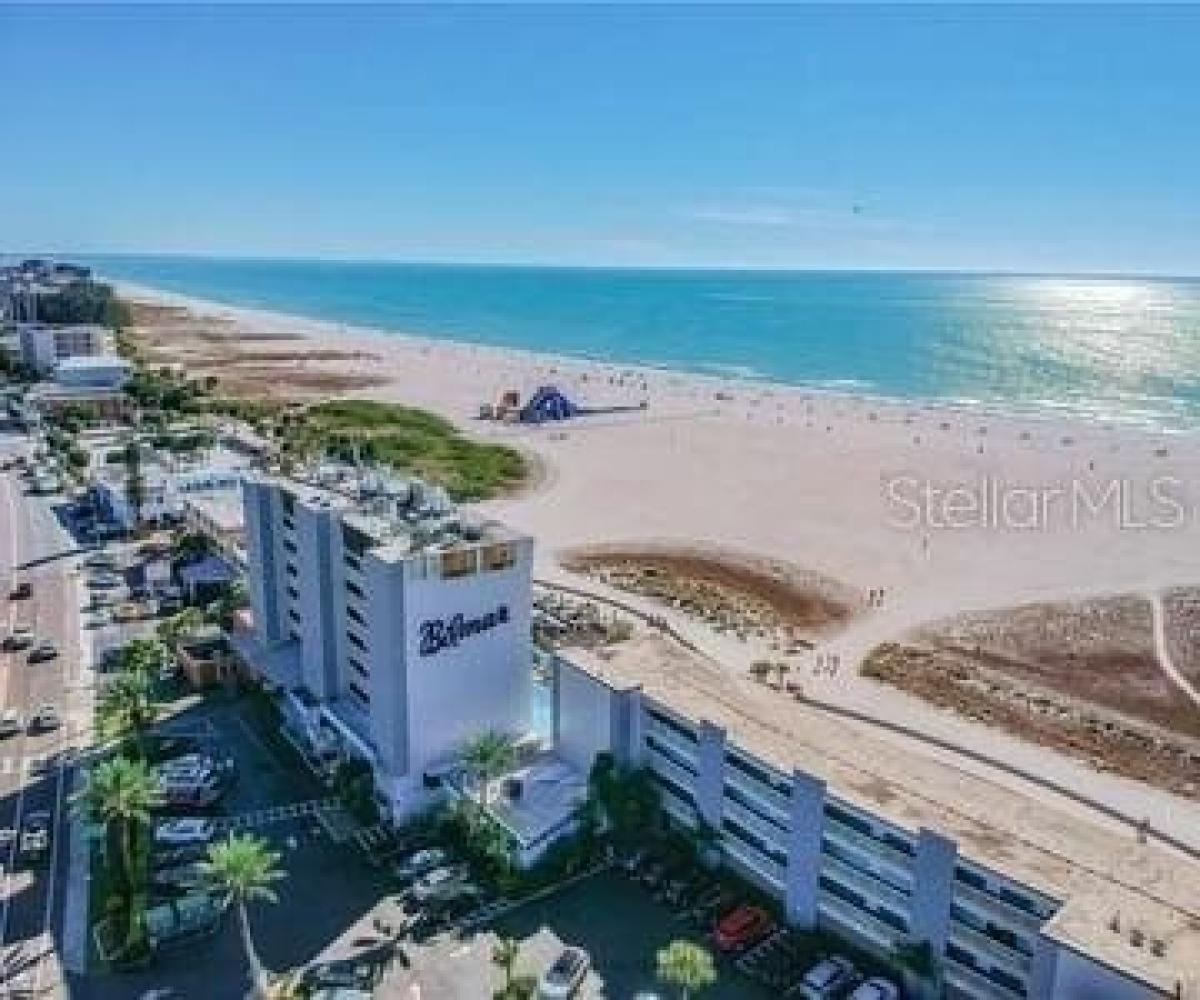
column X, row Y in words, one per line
column 1120, row 349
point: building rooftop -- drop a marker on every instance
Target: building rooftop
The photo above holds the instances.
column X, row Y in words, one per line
column 1133, row 906
column 401, row 516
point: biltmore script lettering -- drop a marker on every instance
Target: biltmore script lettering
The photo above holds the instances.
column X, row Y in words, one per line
column 439, row 633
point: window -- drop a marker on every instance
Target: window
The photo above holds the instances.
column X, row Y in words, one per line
column 289, row 524
column 294, row 615
column 291, row 569
column 743, row 800
column 675, row 789
column 971, row 878
column 847, row 818
column 458, row 562
column 674, row 757
column 752, row 839
column 288, row 502
column 354, row 588
column 353, row 563
column 500, row 556
column 353, row 614
column 354, row 541
column 360, row 694
column 356, row 641
column 357, row 667
column 759, row 774
column 676, row 727
column 289, row 546
column 293, row 593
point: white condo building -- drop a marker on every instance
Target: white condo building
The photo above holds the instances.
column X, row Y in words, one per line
column 395, row 629
column 45, row 346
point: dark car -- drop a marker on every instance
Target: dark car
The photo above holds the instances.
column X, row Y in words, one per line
column 44, row 650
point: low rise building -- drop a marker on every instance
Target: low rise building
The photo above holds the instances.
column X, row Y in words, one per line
column 882, row 845
column 44, row 346
column 93, row 371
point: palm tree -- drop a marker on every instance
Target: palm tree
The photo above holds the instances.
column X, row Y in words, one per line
column 687, row 966
column 122, row 793
column 241, row 869
column 179, row 625
column 127, row 708
column 486, row 757
column 505, row 954
column 145, row 657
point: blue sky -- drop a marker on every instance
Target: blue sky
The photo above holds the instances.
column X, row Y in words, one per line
column 1006, row 138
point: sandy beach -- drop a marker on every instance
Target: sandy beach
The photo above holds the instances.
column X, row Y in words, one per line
column 820, row 482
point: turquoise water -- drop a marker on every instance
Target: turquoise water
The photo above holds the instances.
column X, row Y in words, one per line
column 1123, row 349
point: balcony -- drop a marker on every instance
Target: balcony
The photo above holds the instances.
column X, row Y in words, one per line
column 777, row 838
column 876, row 852
column 764, row 796
column 993, row 907
column 753, row 860
column 856, row 923
column 667, row 736
column 981, row 944
column 669, row 769
column 868, row 885
column 974, row 984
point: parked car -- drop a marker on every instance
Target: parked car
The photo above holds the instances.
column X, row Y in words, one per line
column 21, row 592
column 105, row 581
column 185, row 831
column 35, row 836
column 44, row 719
column 173, row 857
column 742, row 927
column 44, row 650
column 828, row 978
column 10, row 723
column 179, row 878
column 102, row 561
column 439, row 882
column 21, row 637
column 416, row 865
column 876, row 988
column 565, row 975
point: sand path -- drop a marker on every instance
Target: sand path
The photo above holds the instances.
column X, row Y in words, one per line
column 1163, row 652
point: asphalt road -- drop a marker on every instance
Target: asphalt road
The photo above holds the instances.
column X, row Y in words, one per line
column 35, row 769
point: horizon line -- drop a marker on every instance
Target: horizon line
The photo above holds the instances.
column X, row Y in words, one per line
column 563, row 266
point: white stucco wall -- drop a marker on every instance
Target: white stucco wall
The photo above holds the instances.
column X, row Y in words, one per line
column 585, row 716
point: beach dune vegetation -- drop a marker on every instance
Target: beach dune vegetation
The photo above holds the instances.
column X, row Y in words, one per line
column 408, row 440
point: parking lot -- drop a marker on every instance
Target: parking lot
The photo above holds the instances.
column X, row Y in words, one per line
column 621, row 926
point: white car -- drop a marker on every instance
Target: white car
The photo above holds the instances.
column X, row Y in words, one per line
column 562, row 979
column 828, row 978
column 185, row 831
column 10, row 723
column 876, row 989
column 439, row 881
column 421, row 862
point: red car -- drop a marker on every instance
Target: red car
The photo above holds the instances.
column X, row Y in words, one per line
column 741, row 927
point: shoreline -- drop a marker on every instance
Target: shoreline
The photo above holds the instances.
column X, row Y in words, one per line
column 846, row 391
column 789, row 476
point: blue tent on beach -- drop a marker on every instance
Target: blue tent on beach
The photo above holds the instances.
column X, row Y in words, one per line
column 548, row 403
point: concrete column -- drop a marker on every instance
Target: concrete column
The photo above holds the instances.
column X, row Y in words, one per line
column 710, row 779
column 933, row 889
column 1043, row 970
column 807, row 820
